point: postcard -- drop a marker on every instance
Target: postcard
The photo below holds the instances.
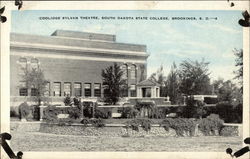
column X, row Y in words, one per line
column 128, row 79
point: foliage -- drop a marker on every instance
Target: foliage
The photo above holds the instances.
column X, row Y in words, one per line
column 135, row 123
column 229, row 131
column 194, row 109
column 65, row 121
column 129, row 112
column 159, row 77
column 35, row 79
column 35, row 112
column 239, row 64
column 229, row 113
column 67, row 100
column 77, row 102
column 113, row 83
column 51, row 112
column 227, row 91
column 194, row 77
column 94, row 122
column 103, row 113
column 211, row 124
column 74, row 113
column 87, row 109
column 24, row 110
column 180, row 125
column 172, row 84
column 14, row 112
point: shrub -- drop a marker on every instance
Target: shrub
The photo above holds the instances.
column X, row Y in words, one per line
column 103, row 113
column 67, row 101
column 50, row 114
column 74, row 112
column 229, row 131
column 211, row 124
column 65, row 121
column 129, row 112
column 230, row 113
column 180, row 125
column 14, row 112
column 225, row 111
column 24, row 110
column 76, row 101
column 97, row 122
column 135, row 123
column 94, row 122
column 35, row 112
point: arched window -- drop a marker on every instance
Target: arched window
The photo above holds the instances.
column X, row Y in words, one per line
column 125, row 71
column 34, row 63
column 23, row 65
column 133, row 72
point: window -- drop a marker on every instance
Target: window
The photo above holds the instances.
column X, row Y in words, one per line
column 67, row 89
column 23, row 65
column 124, row 91
column 34, row 92
column 97, row 90
column 57, row 89
column 132, row 91
column 23, row 90
column 47, row 90
column 34, row 64
column 78, row 89
column 133, row 72
column 124, row 68
column 105, row 91
column 87, row 89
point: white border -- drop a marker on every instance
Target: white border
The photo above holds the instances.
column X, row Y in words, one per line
column 122, row 5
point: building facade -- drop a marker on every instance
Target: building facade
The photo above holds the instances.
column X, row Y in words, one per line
column 72, row 62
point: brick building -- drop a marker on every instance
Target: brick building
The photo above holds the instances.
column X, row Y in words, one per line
column 72, row 63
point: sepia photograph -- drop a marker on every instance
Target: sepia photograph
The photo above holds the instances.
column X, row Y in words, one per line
column 126, row 81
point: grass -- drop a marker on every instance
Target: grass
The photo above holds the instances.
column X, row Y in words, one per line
column 35, row 141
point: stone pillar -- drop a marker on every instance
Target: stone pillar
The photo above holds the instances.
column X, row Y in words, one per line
column 158, row 92
column 102, row 91
column 62, row 89
column 51, row 89
column 138, row 92
column 152, row 91
column 72, row 89
column 92, row 89
column 41, row 108
column 82, row 89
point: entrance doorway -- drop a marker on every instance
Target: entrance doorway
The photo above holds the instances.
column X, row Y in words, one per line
column 146, row 92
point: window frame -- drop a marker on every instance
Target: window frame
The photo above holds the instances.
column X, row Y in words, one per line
column 87, row 91
column 60, row 89
column 75, row 89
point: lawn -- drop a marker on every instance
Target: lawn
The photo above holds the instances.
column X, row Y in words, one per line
column 36, row 141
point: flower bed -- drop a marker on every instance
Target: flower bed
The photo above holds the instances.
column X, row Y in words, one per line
column 108, row 130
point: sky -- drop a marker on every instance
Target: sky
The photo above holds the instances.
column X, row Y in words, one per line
column 167, row 41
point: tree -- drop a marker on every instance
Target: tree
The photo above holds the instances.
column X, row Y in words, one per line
column 34, row 79
column 194, row 77
column 239, row 64
column 159, row 78
column 227, row 91
column 172, row 84
column 113, row 83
